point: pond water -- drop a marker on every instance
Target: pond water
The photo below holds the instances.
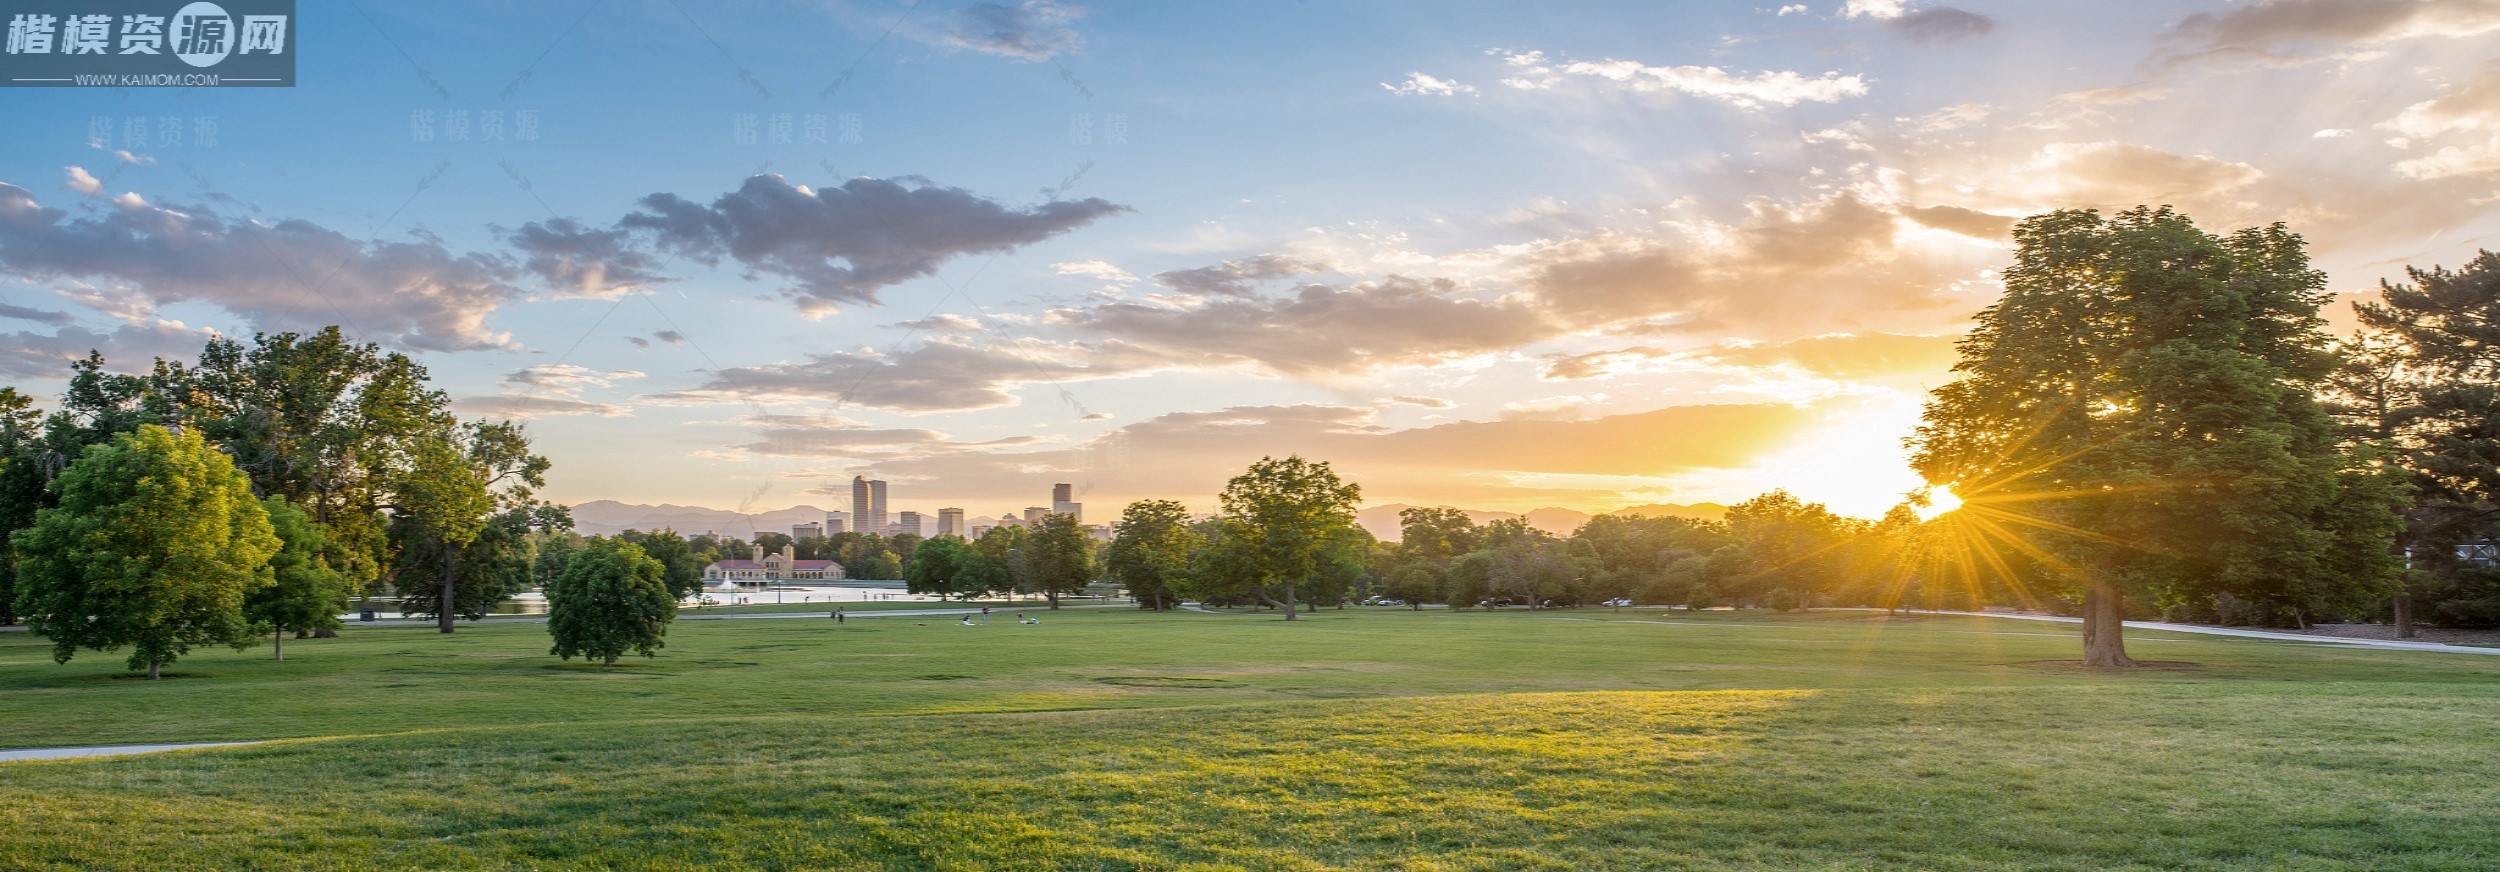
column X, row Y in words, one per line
column 535, row 603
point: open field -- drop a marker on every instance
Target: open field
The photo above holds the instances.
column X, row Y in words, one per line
column 1369, row 739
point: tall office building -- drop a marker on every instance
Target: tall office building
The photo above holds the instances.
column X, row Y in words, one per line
column 1033, row 516
column 951, row 522
column 835, row 524
column 809, row 530
column 867, row 505
column 1063, row 502
column 907, row 522
column 876, row 503
column 859, row 504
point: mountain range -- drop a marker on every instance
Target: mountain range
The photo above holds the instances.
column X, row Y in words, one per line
column 608, row 517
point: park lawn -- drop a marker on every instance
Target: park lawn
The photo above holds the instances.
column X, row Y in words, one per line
column 1368, row 739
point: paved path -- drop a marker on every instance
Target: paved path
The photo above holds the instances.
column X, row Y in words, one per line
column 104, row 751
column 2244, row 633
column 2235, row 632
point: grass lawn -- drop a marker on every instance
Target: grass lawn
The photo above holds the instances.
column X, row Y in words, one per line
column 1364, row 738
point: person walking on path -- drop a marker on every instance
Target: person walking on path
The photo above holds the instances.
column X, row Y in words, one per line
column 838, row 616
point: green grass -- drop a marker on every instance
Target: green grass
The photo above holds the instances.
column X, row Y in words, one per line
column 1363, row 739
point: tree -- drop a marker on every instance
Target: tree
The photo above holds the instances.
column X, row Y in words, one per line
column 1414, row 585
column 770, row 543
column 154, row 545
column 1288, row 514
column 989, row 571
column 23, row 472
column 2422, row 385
column 467, row 497
column 611, row 600
column 1059, row 559
column 304, row 593
column 553, row 554
column 1150, row 553
column 941, row 568
column 1778, row 542
column 684, row 570
column 2141, row 404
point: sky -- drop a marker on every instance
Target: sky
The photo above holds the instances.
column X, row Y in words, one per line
column 1494, row 255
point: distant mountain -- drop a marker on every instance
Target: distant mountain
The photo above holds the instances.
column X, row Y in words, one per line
column 1696, row 511
column 1382, row 521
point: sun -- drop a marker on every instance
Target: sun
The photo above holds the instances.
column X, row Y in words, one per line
column 1939, row 501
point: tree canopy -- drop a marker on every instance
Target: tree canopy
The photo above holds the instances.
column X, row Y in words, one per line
column 2142, row 404
column 154, row 546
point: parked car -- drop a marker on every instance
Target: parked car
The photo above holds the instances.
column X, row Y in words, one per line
column 1617, row 602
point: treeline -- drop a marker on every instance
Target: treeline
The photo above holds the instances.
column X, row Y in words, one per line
column 342, row 451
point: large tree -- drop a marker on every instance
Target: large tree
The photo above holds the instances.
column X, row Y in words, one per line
column 1150, row 552
column 610, row 601
column 2141, row 404
column 154, row 546
column 466, row 511
column 1059, row 560
column 1290, row 515
column 685, row 568
column 304, row 593
column 941, row 568
column 2422, row 383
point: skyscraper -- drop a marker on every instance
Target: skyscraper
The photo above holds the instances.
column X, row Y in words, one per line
column 867, row 505
column 907, row 522
column 859, row 504
column 876, row 503
column 951, row 522
column 1063, row 502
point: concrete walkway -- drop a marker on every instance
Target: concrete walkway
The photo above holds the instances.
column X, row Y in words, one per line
column 7, row 756
column 2199, row 629
column 2244, row 633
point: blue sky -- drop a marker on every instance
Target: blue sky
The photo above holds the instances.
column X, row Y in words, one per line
column 1497, row 255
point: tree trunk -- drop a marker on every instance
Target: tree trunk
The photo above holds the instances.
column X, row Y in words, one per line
column 277, row 640
column 1054, row 599
column 1290, row 608
column 2104, row 614
column 153, row 674
column 451, row 575
column 2404, row 615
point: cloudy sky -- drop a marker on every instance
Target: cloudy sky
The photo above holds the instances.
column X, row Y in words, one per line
column 1497, row 255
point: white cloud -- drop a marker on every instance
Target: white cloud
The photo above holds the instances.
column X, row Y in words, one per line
column 83, row 183
column 1426, row 85
column 1094, row 269
column 1755, row 91
column 1872, row 9
column 2332, row 133
column 566, row 378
